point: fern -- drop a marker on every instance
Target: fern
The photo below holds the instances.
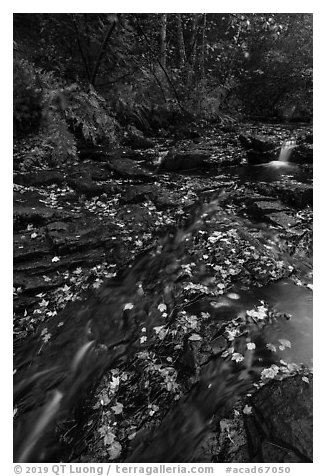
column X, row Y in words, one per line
column 64, row 110
column 89, row 112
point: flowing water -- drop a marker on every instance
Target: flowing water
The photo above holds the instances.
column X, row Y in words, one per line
column 286, row 298
column 286, row 150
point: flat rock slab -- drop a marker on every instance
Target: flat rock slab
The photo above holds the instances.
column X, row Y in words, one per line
column 281, row 219
column 40, row 178
column 69, row 237
column 193, row 159
column 280, row 428
column 87, row 187
column 138, row 193
column 27, row 248
column 124, row 153
column 31, row 285
column 91, row 170
column 263, row 207
column 38, row 215
column 292, row 193
column 129, row 169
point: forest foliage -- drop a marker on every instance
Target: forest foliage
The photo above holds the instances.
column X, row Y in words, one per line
column 81, row 77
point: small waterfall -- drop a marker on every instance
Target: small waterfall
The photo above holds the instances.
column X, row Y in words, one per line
column 286, row 150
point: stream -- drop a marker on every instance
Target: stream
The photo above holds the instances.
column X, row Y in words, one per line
column 158, row 265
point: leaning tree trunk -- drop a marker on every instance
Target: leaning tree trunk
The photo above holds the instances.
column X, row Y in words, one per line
column 181, row 44
column 102, row 48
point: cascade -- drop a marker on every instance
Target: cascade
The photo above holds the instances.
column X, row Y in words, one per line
column 286, row 150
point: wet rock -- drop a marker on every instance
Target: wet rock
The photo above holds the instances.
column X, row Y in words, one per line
column 259, row 144
column 264, row 207
column 27, row 248
column 31, row 285
column 302, row 154
column 208, row 450
column 86, row 186
column 90, row 171
column 39, row 178
column 175, row 161
column 125, row 153
column 129, row 169
column 188, row 363
column 281, row 219
column 229, row 128
column 292, row 193
column 137, row 193
column 280, row 428
column 78, row 235
column 96, row 155
column 103, row 155
column 218, row 344
column 256, row 157
column 260, row 150
column 23, row 303
column 164, row 198
column 38, row 215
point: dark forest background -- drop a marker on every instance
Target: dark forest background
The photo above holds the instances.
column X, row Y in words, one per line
column 86, row 77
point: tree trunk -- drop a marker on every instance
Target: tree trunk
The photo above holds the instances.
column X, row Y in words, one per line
column 192, row 48
column 181, row 44
column 201, row 68
column 102, row 48
column 163, row 40
column 80, row 48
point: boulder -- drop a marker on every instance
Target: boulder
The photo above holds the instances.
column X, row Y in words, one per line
column 193, row 159
column 280, row 428
column 260, row 150
column 260, row 144
column 302, row 154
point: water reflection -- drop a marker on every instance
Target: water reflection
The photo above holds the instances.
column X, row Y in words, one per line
column 285, row 297
column 274, row 171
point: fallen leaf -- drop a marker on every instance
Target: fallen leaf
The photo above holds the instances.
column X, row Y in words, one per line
column 251, row 346
column 162, row 307
column 117, row 408
column 247, row 410
column 194, row 337
column 114, row 450
column 285, row 343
